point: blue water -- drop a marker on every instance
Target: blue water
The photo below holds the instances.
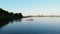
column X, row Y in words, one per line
column 42, row 25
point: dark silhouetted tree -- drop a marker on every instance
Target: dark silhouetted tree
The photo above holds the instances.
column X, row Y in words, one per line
column 6, row 14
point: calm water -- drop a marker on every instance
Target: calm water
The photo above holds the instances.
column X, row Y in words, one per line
column 42, row 25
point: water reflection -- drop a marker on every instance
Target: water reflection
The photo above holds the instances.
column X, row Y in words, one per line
column 30, row 26
column 4, row 22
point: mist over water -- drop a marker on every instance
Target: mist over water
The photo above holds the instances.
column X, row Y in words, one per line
column 39, row 25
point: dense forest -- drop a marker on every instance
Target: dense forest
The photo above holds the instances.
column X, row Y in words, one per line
column 6, row 14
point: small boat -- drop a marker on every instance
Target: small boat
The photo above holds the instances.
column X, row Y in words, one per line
column 30, row 19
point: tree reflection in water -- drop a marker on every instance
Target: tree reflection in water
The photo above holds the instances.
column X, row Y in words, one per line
column 4, row 22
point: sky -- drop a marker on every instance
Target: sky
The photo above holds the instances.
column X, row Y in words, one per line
column 32, row 7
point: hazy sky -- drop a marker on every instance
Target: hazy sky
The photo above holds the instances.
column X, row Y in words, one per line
column 31, row 6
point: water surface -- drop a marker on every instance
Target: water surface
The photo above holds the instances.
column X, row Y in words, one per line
column 42, row 25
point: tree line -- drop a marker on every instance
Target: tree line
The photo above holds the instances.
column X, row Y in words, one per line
column 6, row 14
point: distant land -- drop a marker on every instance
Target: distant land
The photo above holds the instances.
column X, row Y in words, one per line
column 43, row 16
